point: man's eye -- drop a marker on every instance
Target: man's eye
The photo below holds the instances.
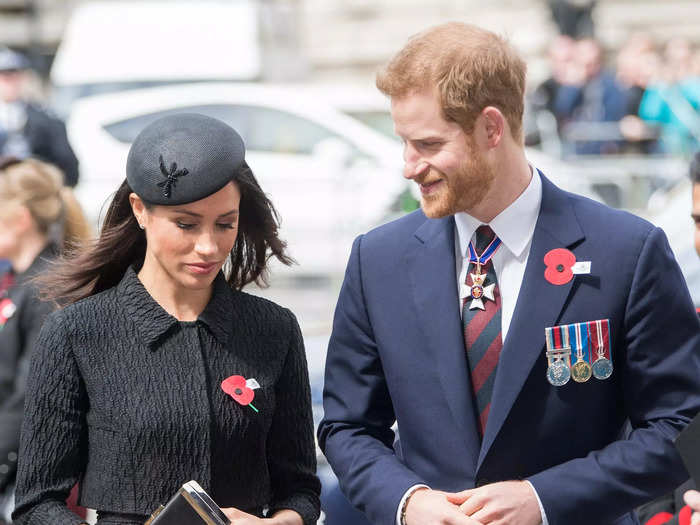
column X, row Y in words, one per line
column 184, row 225
column 428, row 144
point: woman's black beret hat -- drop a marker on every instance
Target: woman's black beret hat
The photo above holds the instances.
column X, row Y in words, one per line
column 182, row 158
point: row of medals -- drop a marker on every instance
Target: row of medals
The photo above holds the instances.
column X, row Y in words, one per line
column 559, row 373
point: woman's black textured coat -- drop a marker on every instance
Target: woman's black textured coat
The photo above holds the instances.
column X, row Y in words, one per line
column 127, row 400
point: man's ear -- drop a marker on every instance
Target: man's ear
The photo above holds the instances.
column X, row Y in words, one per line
column 494, row 124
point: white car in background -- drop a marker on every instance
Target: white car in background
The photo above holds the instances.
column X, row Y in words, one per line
column 329, row 176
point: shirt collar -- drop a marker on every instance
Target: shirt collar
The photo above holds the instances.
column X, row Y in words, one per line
column 515, row 225
column 152, row 321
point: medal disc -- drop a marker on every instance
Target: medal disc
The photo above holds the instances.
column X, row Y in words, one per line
column 558, row 374
column 477, row 292
column 602, row 368
column 581, row 372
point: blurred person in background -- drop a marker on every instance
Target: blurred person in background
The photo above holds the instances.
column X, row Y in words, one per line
column 672, row 100
column 637, row 65
column 695, row 64
column 39, row 218
column 542, row 100
column 574, row 18
column 593, row 96
column 26, row 129
column 671, row 509
column 561, row 57
column 168, row 372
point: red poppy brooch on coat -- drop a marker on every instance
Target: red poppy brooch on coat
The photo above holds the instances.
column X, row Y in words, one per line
column 7, row 310
column 561, row 266
column 240, row 389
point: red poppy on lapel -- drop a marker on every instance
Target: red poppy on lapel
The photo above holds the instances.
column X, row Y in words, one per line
column 236, row 387
column 559, row 266
column 7, row 310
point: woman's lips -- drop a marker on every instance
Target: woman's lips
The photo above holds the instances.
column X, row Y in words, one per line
column 202, row 268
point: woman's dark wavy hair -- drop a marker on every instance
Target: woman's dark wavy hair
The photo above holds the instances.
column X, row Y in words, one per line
column 122, row 243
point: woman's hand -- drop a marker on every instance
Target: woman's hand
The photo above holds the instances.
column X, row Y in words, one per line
column 238, row 517
column 282, row 517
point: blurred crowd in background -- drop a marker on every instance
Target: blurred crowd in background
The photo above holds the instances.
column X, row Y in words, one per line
column 644, row 99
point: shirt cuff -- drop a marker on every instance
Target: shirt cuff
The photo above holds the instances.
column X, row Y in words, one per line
column 406, row 495
column 542, row 512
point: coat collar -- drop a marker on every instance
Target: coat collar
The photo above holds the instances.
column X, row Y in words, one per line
column 153, row 322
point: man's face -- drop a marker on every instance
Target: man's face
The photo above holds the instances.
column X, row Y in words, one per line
column 696, row 214
column 439, row 156
column 590, row 58
column 11, row 85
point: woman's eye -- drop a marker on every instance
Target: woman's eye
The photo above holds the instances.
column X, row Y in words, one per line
column 184, row 225
column 227, row 225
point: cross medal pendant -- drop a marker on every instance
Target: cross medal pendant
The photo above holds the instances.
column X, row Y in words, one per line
column 478, row 291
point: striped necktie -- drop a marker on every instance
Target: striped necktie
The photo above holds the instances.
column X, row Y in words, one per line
column 482, row 330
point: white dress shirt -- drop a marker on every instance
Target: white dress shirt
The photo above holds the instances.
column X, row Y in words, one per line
column 515, row 227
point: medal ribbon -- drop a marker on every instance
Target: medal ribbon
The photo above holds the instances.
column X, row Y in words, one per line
column 579, row 344
column 481, row 260
column 558, row 339
column 602, row 329
column 581, row 335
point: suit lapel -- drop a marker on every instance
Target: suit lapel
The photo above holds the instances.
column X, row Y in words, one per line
column 539, row 304
column 431, row 263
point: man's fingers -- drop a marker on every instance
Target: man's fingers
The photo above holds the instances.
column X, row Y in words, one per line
column 457, row 498
column 485, row 515
column 472, row 505
column 457, row 518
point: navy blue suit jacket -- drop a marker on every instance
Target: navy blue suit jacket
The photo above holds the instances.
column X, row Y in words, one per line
column 397, row 353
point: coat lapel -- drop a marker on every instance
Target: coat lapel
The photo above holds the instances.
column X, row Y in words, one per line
column 540, row 304
column 431, row 263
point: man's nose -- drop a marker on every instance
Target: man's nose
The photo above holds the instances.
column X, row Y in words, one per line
column 413, row 165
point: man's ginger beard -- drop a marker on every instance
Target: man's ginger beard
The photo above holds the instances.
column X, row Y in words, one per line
column 461, row 191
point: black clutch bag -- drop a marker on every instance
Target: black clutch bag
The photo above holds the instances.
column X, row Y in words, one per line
column 190, row 505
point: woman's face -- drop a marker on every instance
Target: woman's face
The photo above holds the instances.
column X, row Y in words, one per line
column 188, row 244
column 12, row 219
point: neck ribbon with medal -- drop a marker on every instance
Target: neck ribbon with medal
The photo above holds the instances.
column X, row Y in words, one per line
column 479, row 290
